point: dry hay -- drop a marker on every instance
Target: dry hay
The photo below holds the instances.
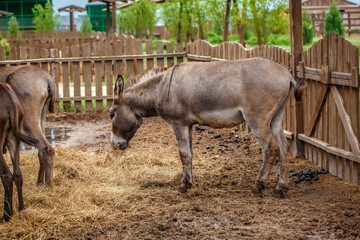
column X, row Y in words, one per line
column 131, row 195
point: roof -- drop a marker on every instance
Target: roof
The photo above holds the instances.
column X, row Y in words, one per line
column 357, row 2
column 6, row 13
column 72, row 8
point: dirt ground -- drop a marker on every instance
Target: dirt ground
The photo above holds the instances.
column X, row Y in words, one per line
column 101, row 193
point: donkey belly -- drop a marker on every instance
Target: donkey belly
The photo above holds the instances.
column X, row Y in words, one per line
column 223, row 118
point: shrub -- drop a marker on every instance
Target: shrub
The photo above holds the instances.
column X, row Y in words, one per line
column 44, row 18
column 86, row 26
column 308, row 28
column 13, row 27
column 333, row 21
column 4, row 43
column 233, row 38
column 274, row 39
column 214, row 38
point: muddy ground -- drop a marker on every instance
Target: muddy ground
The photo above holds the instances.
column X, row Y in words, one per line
column 100, row 193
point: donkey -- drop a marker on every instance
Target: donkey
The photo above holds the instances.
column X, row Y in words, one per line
column 216, row 94
column 11, row 121
column 35, row 89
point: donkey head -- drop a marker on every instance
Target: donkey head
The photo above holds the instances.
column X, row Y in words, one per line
column 125, row 122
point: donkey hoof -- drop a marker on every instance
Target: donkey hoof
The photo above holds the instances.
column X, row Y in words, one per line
column 280, row 191
column 5, row 219
column 182, row 188
column 256, row 191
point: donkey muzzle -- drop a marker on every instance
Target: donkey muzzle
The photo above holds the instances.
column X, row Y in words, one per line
column 117, row 142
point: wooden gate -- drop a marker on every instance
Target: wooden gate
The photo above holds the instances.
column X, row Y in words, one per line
column 331, row 106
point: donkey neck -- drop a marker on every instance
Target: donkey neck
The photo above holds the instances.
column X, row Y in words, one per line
column 142, row 97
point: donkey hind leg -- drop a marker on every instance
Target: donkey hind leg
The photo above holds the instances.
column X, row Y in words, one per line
column 280, row 138
column 7, row 181
column 13, row 145
column 184, row 139
column 270, row 151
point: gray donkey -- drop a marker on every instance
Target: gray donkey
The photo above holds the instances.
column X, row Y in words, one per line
column 216, row 94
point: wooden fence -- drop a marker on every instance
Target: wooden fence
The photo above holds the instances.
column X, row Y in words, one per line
column 331, row 106
column 330, row 101
column 85, row 74
column 56, row 34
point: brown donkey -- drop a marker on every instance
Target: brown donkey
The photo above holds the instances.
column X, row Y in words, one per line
column 35, row 89
column 11, row 121
column 216, row 94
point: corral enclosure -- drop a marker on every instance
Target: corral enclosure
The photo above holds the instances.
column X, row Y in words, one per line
column 100, row 193
column 104, row 194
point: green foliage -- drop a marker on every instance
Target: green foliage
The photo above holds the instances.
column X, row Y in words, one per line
column 44, row 18
column 274, row 39
column 333, row 21
column 308, row 29
column 4, row 43
column 86, row 26
column 214, row 38
column 190, row 14
column 14, row 28
column 233, row 38
column 138, row 19
column 268, row 17
column 216, row 12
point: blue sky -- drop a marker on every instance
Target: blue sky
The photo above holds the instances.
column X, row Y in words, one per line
column 63, row 3
column 355, row 1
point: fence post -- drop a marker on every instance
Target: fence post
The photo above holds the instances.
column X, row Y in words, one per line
column 296, row 50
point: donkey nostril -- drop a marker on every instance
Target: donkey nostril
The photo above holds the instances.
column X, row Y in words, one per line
column 112, row 115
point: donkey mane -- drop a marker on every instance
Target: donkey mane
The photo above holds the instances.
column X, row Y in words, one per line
column 144, row 76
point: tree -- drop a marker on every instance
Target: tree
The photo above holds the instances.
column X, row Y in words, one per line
column 44, row 18
column 184, row 19
column 239, row 20
column 13, row 28
column 86, row 26
column 268, row 16
column 139, row 19
column 333, row 21
column 308, row 29
column 226, row 20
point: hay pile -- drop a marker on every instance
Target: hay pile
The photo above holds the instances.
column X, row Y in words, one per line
column 132, row 195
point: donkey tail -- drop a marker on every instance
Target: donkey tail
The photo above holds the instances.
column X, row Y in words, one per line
column 299, row 87
column 51, row 94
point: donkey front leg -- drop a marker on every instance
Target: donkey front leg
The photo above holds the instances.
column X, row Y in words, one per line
column 184, row 138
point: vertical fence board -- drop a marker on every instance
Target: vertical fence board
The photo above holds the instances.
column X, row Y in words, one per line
column 170, row 49
column 130, row 63
column 149, row 50
column 98, row 76
column 179, row 48
column 87, row 73
column 108, row 73
column 76, row 77
column 160, row 50
column 65, row 80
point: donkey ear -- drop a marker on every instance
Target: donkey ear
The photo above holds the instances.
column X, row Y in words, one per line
column 119, row 86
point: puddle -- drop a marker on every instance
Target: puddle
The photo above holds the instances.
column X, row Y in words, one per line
column 54, row 135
